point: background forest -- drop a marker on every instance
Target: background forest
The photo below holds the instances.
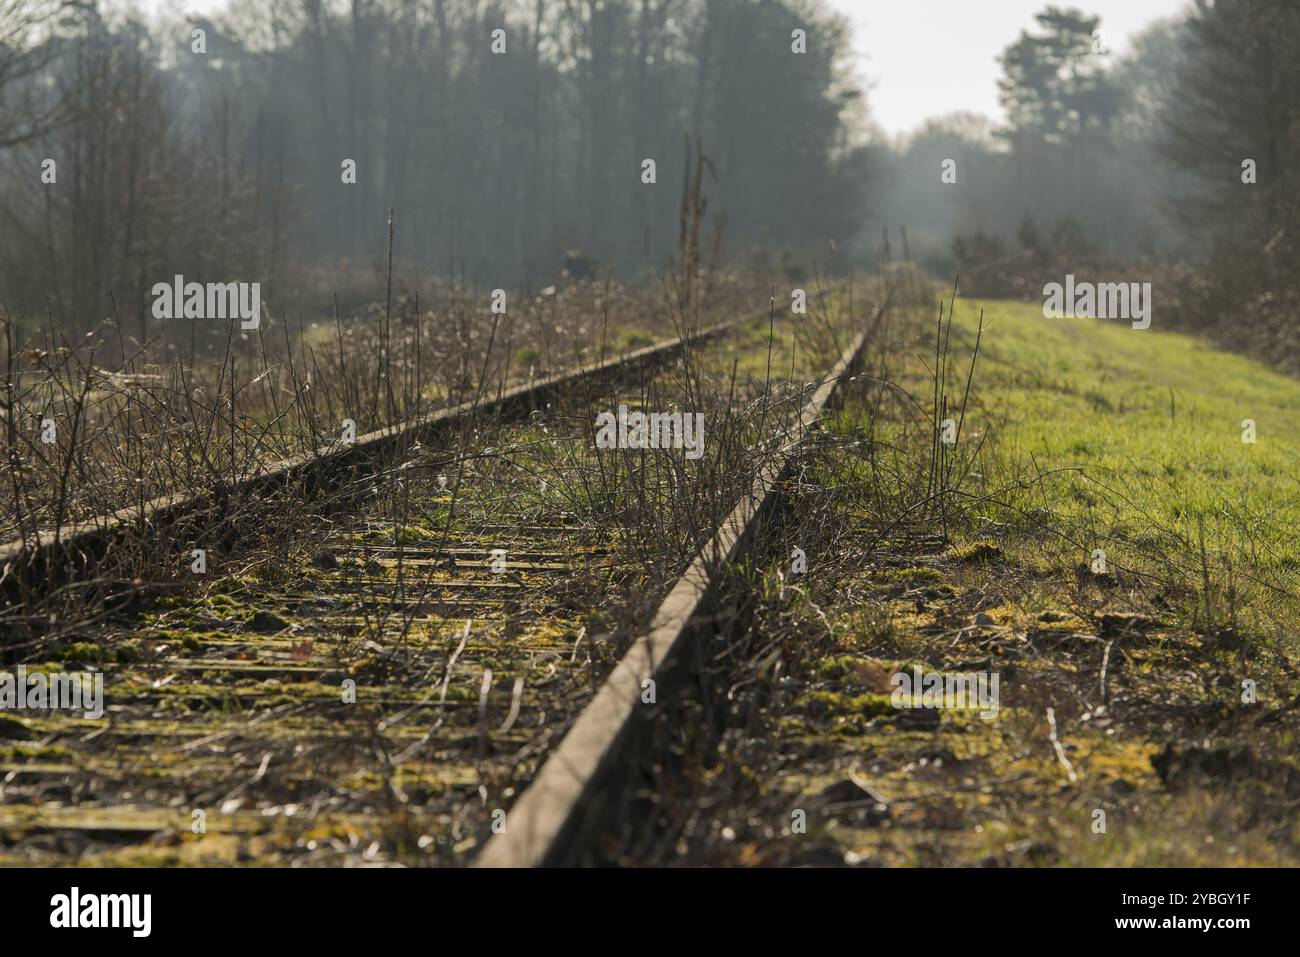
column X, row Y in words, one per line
column 228, row 163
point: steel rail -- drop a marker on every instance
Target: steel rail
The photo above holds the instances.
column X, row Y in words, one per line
column 542, row 823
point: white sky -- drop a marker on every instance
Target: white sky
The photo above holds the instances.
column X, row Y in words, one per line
column 179, row 6
column 925, row 58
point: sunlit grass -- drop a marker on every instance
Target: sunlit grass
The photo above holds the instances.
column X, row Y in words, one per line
column 1098, row 436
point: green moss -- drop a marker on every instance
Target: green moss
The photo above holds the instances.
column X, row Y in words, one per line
column 223, row 604
column 84, row 651
column 526, row 356
column 635, row 339
column 976, row 552
column 127, row 653
column 839, row 668
column 46, row 753
column 416, row 534
column 839, row 704
column 921, row 575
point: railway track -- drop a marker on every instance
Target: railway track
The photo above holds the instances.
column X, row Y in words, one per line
column 34, row 565
column 387, row 690
column 564, row 800
column 372, row 670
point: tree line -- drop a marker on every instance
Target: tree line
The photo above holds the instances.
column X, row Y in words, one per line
column 1172, row 161
column 268, row 143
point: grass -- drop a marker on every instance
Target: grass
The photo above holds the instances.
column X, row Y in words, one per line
column 1131, row 441
column 1126, row 735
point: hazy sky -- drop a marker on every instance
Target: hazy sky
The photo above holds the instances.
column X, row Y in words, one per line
column 924, row 58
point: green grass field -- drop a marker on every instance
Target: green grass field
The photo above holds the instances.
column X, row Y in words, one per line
column 1100, row 436
column 1148, row 714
